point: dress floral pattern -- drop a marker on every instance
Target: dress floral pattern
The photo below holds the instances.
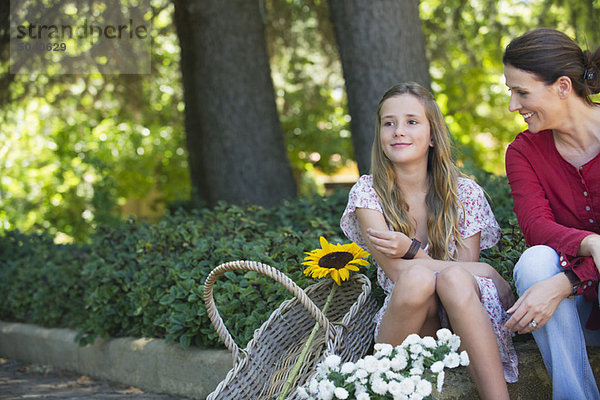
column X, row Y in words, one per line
column 475, row 215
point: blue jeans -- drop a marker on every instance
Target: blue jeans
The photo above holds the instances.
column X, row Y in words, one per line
column 562, row 341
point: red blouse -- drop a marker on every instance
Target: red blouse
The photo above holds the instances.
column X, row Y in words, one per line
column 556, row 204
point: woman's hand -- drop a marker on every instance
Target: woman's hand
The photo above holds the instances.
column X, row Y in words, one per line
column 389, row 243
column 538, row 304
column 590, row 246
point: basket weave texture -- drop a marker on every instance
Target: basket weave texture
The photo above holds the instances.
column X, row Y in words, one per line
column 261, row 369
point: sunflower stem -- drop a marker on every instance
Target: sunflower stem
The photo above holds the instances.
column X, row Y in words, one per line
column 296, row 369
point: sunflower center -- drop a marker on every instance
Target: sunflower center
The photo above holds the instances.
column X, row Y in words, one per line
column 337, row 260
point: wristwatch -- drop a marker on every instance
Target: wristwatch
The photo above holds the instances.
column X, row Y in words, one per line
column 575, row 281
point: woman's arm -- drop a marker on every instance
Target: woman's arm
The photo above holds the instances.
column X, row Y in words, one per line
column 535, row 216
column 538, row 303
column 590, row 246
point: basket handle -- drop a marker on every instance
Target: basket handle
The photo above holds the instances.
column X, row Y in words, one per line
column 264, row 269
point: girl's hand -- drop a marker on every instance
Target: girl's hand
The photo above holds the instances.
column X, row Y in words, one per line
column 504, row 291
column 390, row 243
column 484, row 270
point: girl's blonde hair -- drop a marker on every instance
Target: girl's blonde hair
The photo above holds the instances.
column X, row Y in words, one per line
column 442, row 199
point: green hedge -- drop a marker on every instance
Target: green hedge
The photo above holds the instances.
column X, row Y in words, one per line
column 40, row 282
column 146, row 280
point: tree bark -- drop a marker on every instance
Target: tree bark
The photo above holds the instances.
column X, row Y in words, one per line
column 381, row 43
column 234, row 137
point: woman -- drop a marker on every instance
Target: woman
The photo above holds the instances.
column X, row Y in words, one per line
column 417, row 196
column 554, row 172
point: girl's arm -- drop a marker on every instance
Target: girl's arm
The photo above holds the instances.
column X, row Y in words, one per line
column 388, row 247
column 387, row 251
column 469, row 252
column 380, row 239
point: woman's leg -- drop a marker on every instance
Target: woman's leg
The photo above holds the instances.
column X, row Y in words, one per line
column 459, row 294
column 412, row 308
column 584, row 309
column 561, row 340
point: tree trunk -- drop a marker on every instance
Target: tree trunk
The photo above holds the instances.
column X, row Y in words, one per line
column 381, row 43
column 234, row 137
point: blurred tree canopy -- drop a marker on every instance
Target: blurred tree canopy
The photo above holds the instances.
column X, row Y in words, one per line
column 75, row 149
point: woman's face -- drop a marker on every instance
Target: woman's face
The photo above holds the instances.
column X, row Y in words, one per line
column 405, row 130
column 537, row 102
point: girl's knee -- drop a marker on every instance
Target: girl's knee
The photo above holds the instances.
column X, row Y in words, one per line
column 535, row 264
column 414, row 286
column 456, row 284
column 417, row 277
column 454, row 275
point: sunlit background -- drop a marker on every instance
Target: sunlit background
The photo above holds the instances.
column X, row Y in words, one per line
column 79, row 150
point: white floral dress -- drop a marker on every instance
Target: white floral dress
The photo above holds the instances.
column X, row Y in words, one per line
column 475, row 215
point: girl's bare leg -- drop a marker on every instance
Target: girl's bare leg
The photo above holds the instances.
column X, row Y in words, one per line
column 460, row 296
column 412, row 308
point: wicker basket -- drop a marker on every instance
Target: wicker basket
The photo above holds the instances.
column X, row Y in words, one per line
column 260, row 371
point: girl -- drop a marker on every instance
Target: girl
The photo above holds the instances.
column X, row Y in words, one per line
column 425, row 223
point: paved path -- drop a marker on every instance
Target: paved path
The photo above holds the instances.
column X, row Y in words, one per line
column 20, row 381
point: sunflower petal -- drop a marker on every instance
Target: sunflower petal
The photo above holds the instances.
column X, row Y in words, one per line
column 335, row 275
column 360, row 262
column 325, row 273
column 308, row 270
column 324, row 243
column 344, row 274
column 358, row 251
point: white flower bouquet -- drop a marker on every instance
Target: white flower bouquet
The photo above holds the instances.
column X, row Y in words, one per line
column 408, row 371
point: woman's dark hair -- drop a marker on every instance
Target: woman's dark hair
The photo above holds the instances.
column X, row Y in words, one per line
column 550, row 54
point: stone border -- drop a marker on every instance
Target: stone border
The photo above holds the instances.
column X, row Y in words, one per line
column 150, row 364
column 155, row 366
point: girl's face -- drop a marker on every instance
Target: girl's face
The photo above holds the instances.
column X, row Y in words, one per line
column 405, row 130
column 537, row 102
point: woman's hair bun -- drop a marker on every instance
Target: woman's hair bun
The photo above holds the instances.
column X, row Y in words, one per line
column 591, row 75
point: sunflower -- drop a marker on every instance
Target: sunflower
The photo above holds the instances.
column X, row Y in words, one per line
column 335, row 260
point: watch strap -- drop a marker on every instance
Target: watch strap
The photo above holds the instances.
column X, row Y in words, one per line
column 574, row 280
column 412, row 251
